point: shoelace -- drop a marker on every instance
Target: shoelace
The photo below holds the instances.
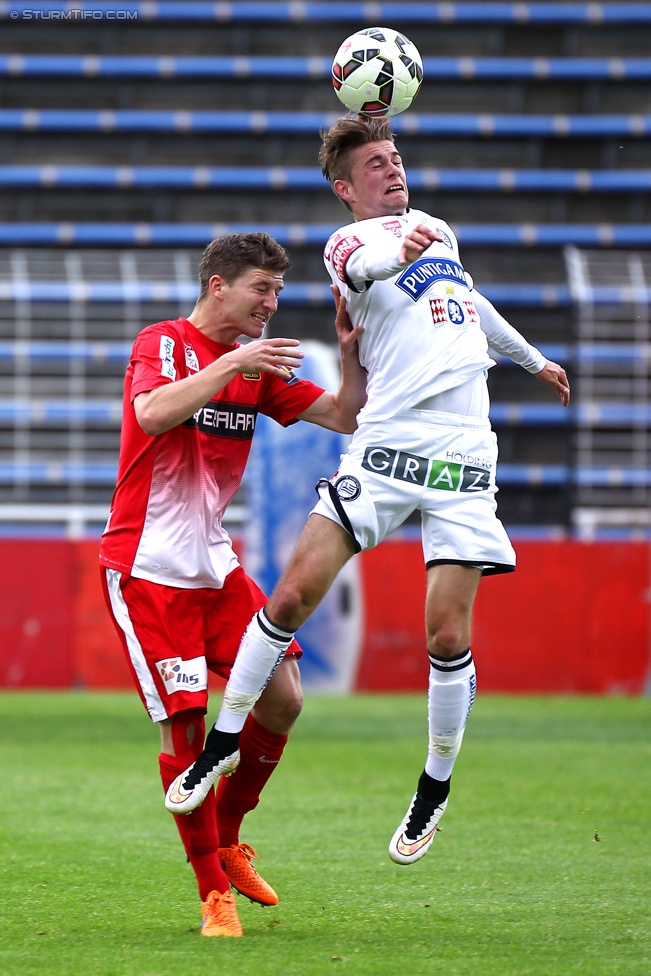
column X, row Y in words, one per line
column 214, row 899
column 248, row 852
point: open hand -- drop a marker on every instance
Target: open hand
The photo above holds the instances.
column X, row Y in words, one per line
column 556, row 377
column 268, row 356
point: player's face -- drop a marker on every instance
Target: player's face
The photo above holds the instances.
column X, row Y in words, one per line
column 378, row 184
column 247, row 304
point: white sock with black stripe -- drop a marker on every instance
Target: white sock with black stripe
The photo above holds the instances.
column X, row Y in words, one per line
column 263, row 647
column 452, row 684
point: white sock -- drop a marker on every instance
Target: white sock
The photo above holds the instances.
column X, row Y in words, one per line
column 263, row 647
column 451, row 693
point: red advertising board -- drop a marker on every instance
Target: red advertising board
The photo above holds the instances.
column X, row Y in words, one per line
column 573, row 618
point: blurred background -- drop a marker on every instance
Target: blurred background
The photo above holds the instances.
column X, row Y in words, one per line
column 131, row 134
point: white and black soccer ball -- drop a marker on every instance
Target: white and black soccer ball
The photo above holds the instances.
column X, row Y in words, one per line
column 377, row 72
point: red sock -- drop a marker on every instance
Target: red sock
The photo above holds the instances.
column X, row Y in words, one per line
column 260, row 752
column 198, row 829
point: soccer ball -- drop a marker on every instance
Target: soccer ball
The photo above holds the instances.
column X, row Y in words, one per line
column 377, row 72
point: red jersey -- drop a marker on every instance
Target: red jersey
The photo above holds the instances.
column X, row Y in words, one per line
column 173, row 489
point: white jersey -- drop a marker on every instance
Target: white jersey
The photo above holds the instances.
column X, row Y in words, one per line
column 422, row 331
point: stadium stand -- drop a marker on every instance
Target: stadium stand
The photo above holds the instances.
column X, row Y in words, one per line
column 304, row 69
column 155, row 128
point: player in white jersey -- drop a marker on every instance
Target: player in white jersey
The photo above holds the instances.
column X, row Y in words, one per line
column 423, row 443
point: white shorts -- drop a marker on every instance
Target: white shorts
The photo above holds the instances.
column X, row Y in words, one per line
column 438, row 463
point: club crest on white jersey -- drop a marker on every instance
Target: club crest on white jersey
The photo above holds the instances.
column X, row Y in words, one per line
column 446, row 238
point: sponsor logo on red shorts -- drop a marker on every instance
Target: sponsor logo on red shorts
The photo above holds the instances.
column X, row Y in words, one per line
column 180, row 675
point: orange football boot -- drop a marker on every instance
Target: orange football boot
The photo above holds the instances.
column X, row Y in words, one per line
column 236, row 861
column 219, row 915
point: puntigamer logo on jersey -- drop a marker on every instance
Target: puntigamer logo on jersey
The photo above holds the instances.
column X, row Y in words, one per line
column 417, row 278
column 180, row 675
column 455, row 472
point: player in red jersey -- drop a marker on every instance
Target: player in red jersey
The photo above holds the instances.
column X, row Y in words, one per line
column 173, row 584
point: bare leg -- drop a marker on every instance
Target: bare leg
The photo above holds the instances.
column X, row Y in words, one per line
column 323, row 548
column 451, row 591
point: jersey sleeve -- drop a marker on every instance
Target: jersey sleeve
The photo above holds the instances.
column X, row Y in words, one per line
column 338, row 251
column 157, row 358
column 506, row 340
column 284, row 400
column 356, row 261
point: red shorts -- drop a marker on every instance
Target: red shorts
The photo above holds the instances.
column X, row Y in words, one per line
column 172, row 637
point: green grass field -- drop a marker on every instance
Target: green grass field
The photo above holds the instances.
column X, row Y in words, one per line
column 542, row 868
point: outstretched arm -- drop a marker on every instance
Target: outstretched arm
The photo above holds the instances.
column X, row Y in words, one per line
column 338, row 411
column 507, row 341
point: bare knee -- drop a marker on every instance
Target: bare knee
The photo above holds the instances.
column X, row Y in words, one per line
column 322, row 549
column 183, row 733
column 451, row 591
column 291, row 604
column 447, row 641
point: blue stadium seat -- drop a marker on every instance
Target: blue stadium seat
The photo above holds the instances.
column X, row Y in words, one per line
column 295, row 235
column 57, row 473
column 611, row 353
column 294, row 293
column 61, row 412
column 91, row 412
column 589, row 352
column 164, row 67
column 555, row 415
column 97, row 352
column 308, row 178
column 408, row 124
column 302, row 293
